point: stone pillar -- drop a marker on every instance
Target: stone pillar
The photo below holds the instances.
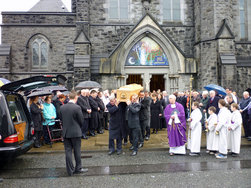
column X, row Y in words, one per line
column 146, row 81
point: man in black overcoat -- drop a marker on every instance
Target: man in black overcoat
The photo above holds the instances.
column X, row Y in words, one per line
column 101, row 106
column 94, row 115
column 133, row 109
column 72, row 119
column 83, row 102
column 143, row 116
column 213, row 101
column 115, row 126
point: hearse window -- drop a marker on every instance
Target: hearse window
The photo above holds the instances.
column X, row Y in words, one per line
column 17, row 115
column 5, row 122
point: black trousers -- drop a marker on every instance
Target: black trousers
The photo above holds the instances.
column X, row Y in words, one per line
column 85, row 126
column 105, row 120
column 72, row 144
column 118, row 143
column 246, row 126
column 143, row 125
column 148, row 128
column 134, row 133
column 38, row 135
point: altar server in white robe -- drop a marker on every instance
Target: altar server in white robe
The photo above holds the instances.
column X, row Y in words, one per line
column 235, row 130
column 212, row 138
column 194, row 141
column 224, row 119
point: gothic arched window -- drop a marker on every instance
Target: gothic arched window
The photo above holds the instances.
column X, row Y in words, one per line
column 40, row 47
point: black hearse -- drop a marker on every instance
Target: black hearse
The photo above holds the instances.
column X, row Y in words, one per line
column 15, row 121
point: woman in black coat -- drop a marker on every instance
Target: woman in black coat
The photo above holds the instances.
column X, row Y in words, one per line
column 114, row 127
column 37, row 118
column 156, row 113
column 163, row 105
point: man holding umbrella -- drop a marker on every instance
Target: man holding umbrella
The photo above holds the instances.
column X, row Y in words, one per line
column 213, row 101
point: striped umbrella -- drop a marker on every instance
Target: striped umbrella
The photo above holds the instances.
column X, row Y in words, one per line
column 3, row 81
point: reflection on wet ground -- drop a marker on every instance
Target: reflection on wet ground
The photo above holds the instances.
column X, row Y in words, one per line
column 128, row 169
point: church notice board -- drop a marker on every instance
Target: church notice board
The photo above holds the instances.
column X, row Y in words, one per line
column 124, row 93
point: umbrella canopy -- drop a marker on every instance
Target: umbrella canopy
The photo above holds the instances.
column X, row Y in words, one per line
column 53, row 88
column 88, row 85
column 3, row 81
column 40, row 93
column 217, row 88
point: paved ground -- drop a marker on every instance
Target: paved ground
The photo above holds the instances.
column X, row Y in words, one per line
column 100, row 143
column 152, row 167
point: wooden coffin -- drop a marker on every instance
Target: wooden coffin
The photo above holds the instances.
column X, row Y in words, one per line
column 124, row 93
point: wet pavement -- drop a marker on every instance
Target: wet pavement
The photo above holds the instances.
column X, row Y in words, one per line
column 150, row 168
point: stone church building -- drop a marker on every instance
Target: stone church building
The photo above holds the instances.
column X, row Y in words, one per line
column 156, row 43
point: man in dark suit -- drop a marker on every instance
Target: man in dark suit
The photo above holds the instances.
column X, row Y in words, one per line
column 83, row 102
column 213, row 101
column 143, row 116
column 95, row 110
column 72, row 119
column 133, row 109
column 101, row 106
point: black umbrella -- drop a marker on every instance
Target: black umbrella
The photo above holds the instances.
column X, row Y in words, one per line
column 88, row 85
column 54, row 88
column 39, row 93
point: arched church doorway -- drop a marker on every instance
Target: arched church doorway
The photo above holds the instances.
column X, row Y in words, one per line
column 134, row 79
column 157, row 82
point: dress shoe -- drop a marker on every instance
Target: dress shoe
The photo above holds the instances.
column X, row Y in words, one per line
column 92, row 134
column 82, row 170
column 147, row 138
column 85, row 137
column 106, row 128
column 119, row 152
column 140, row 145
column 134, row 153
column 131, row 148
column 37, row 146
column 111, row 152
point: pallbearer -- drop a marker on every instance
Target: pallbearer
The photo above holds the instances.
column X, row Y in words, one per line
column 176, row 126
column 235, row 130
column 194, row 141
column 114, row 126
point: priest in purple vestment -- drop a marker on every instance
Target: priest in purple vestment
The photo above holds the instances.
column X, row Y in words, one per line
column 176, row 126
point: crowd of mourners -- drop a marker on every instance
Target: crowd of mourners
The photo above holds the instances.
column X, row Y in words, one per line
column 221, row 117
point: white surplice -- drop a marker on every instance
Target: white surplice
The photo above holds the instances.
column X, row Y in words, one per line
column 194, row 141
column 224, row 119
column 212, row 138
column 235, row 133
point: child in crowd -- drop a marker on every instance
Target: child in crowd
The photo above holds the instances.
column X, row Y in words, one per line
column 235, row 130
column 194, row 140
column 212, row 138
column 224, row 119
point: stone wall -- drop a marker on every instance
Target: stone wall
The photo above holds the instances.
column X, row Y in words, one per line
column 38, row 18
column 18, row 37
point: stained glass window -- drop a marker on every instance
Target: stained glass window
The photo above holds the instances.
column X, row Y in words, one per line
column 39, row 53
column 35, row 54
column 146, row 52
